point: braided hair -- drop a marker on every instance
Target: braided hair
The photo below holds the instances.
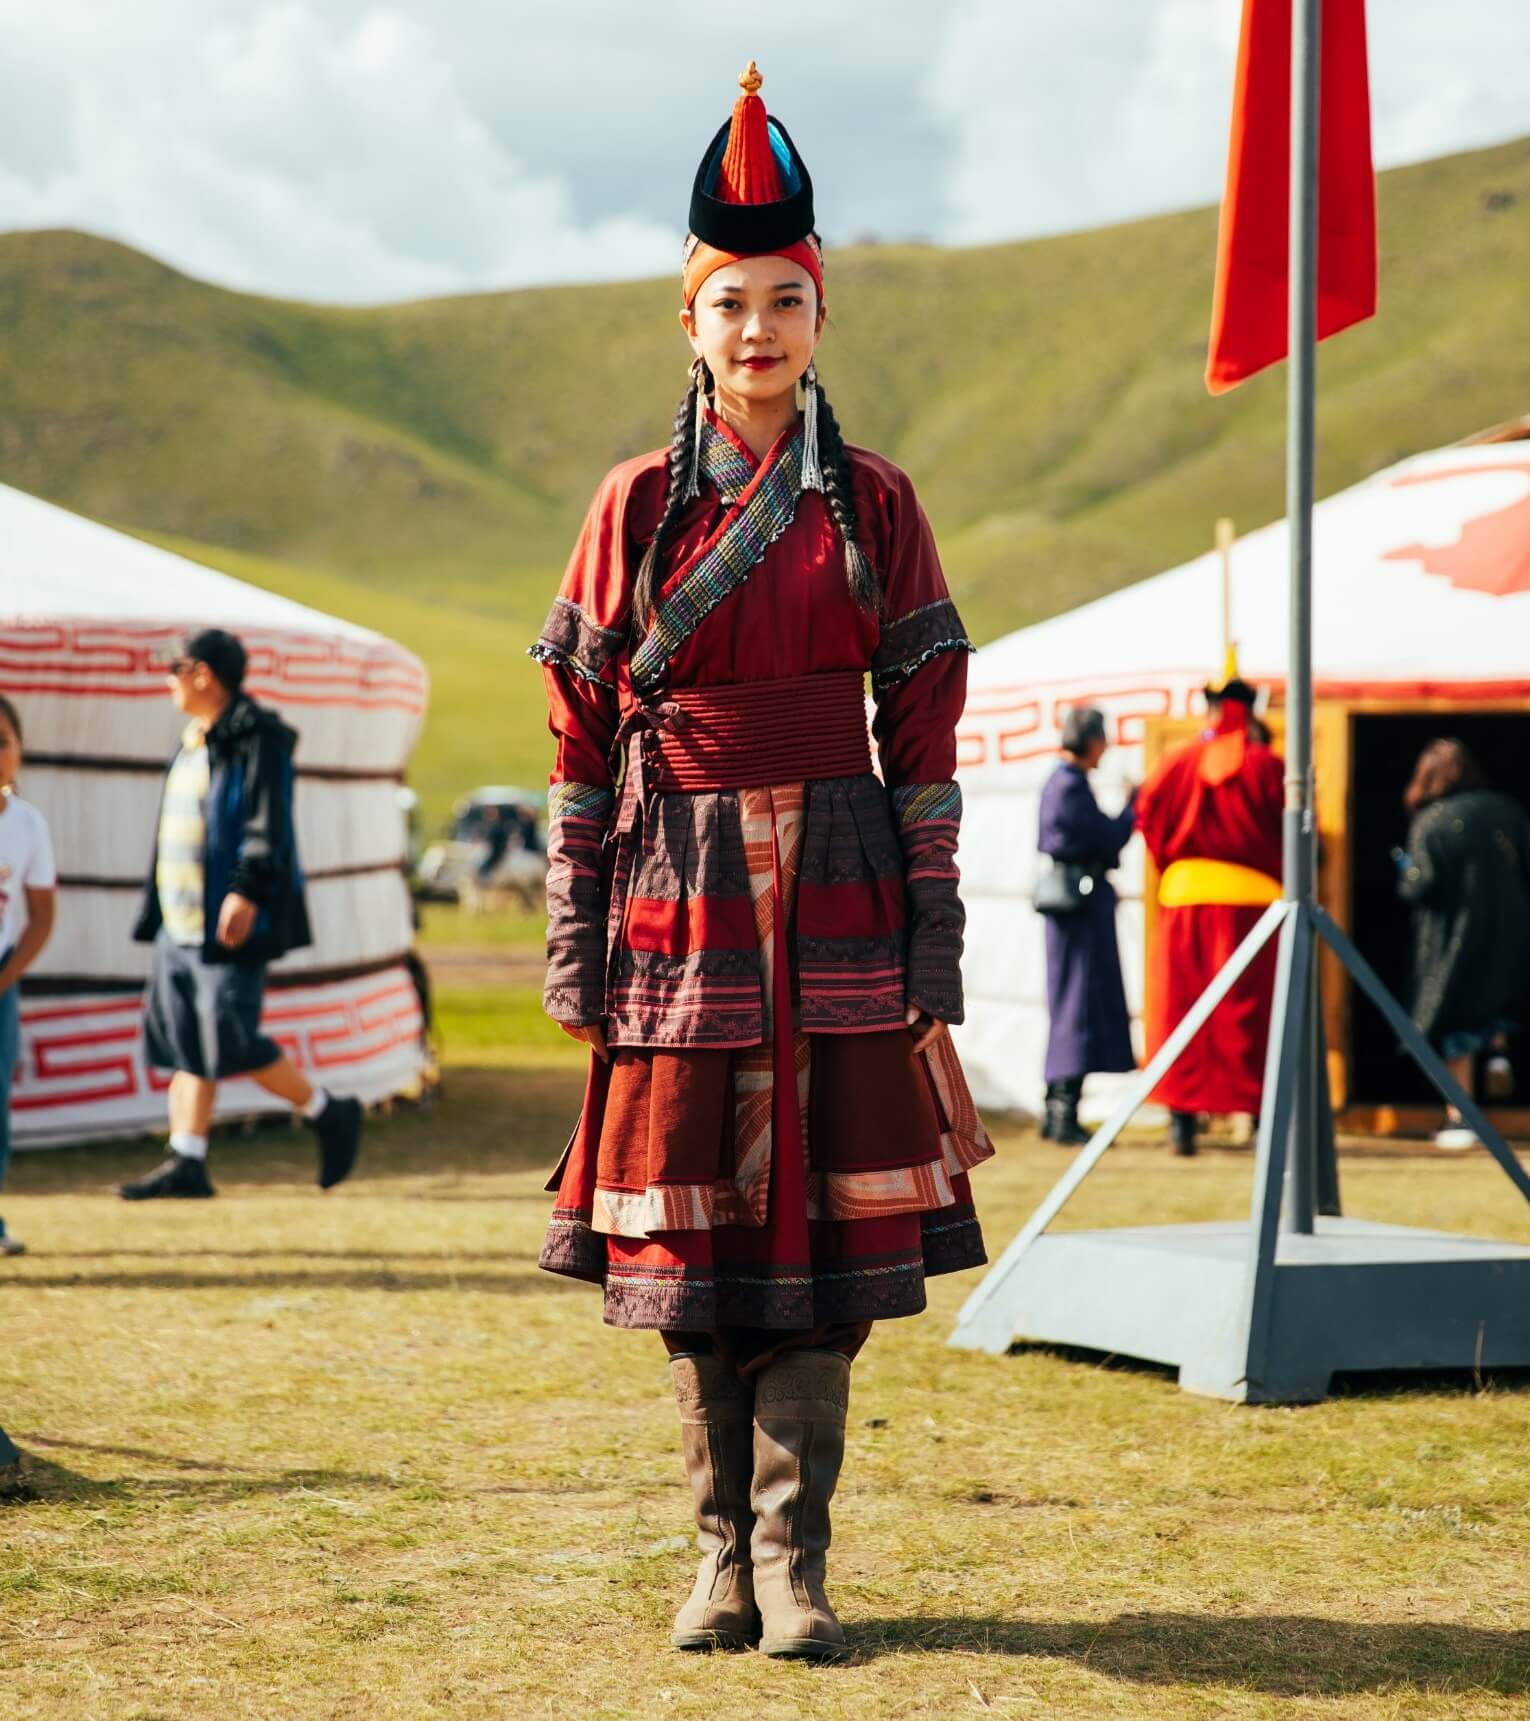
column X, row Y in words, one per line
column 833, row 457
column 835, row 460
column 681, row 441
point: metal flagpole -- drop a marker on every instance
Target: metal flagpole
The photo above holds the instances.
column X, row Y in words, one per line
column 1299, row 836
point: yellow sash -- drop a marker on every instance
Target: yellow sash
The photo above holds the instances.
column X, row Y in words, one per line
column 1195, row 883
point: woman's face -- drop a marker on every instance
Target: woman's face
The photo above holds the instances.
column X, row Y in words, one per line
column 10, row 753
column 756, row 323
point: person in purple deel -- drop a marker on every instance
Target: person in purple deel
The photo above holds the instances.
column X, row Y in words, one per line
column 224, row 898
column 1091, row 1027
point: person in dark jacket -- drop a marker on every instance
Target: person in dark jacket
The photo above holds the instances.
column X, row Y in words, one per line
column 1466, row 874
column 1091, row 1029
column 224, row 898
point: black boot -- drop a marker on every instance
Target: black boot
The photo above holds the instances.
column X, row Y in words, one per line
column 1182, row 1126
column 180, row 1177
column 1062, row 1113
column 1048, row 1112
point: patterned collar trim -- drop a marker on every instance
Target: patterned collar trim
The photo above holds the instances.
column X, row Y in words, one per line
column 765, row 505
column 726, row 466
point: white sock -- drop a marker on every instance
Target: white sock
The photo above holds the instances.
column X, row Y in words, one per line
column 316, row 1104
column 187, row 1145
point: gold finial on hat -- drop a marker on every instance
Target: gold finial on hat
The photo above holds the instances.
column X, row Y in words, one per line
column 750, row 80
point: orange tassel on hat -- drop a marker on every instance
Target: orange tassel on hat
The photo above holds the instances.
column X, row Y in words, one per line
column 749, row 172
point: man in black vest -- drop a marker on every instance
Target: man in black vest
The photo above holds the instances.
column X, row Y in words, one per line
column 224, row 898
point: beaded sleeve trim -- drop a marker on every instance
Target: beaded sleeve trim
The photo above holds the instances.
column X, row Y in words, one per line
column 570, row 640
column 911, row 641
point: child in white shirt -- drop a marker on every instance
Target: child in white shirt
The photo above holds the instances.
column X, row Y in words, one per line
column 28, row 889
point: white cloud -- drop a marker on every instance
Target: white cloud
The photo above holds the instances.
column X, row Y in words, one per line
column 300, row 154
column 372, row 149
column 1069, row 118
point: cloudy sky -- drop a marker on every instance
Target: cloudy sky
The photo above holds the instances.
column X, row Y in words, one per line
column 362, row 150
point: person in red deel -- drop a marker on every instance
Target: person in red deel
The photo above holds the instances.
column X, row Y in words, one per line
column 759, row 940
column 1211, row 815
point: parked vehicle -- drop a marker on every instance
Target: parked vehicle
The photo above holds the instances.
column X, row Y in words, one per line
column 494, row 846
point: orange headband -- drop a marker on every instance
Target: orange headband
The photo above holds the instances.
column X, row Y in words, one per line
column 702, row 260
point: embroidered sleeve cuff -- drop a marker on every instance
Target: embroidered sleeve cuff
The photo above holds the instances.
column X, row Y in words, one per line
column 914, row 639
column 570, row 640
column 579, row 815
column 929, row 819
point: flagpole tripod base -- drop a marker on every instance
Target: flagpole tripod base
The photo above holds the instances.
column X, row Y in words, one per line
column 1353, row 1296
column 1268, row 1310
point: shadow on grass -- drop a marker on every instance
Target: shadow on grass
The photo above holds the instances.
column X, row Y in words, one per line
column 1375, row 1383
column 46, row 1480
column 493, row 1123
column 1288, row 1655
column 1107, row 1362
column 360, row 1279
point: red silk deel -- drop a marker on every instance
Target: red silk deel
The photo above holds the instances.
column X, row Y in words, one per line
column 1191, row 808
column 1219, row 798
column 1249, row 306
column 1222, row 1069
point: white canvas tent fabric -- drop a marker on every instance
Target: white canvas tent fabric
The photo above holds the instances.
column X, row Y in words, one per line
column 85, row 616
column 1421, row 589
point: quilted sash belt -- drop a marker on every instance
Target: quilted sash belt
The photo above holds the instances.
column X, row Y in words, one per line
column 757, row 734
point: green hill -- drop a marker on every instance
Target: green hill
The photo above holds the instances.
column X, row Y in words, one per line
column 422, row 467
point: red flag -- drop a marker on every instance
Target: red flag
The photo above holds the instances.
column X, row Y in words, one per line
column 1248, row 313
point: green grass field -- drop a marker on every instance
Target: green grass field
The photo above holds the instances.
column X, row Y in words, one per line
column 422, row 468
column 355, row 1456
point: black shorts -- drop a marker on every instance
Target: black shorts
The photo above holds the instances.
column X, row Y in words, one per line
column 204, row 1017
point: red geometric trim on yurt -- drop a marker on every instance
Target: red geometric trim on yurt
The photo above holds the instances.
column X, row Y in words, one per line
column 125, row 660
column 88, row 1051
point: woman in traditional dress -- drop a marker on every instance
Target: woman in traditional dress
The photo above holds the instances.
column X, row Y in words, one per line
column 759, row 940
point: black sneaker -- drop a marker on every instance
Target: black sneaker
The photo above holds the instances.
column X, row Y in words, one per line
column 180, row 1176
column 339, row 1130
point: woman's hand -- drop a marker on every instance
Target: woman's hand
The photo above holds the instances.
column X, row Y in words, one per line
column 927, row 1029
column 593, row 1034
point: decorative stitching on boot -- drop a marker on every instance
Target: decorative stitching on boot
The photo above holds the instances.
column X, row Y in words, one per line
column 804, row 1382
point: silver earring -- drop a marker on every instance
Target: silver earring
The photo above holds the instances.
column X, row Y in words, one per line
column 698, row 379
column 812, row 470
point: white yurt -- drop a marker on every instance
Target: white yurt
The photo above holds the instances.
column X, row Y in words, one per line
column 1421, row 627
column 86, row 614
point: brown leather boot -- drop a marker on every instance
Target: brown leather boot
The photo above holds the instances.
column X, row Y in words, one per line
column 799, row 1443
column 716, row 1435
